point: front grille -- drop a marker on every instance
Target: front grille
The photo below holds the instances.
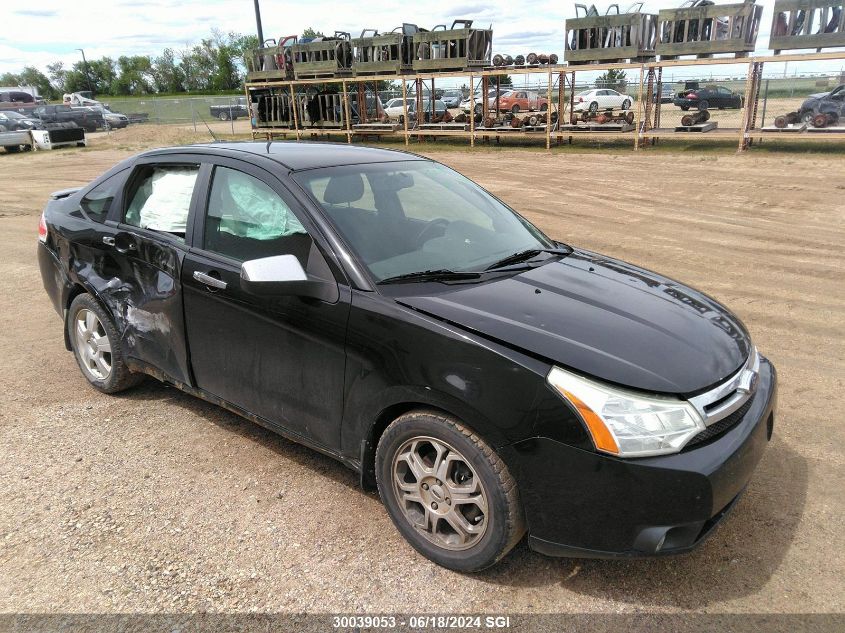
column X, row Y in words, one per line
column 717, row 429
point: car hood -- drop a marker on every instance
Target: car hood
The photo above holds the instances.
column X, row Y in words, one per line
column 605, row 318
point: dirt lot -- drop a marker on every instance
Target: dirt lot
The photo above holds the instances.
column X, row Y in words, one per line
column 154, row 501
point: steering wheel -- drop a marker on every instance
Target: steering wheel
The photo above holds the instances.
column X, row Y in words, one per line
column 429, row 228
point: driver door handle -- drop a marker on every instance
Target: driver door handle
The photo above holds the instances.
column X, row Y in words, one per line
column 210, row 281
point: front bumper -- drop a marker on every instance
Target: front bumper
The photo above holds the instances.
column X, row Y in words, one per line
column 586, row 504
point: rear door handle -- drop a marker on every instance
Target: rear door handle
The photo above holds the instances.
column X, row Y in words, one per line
column 210, row 281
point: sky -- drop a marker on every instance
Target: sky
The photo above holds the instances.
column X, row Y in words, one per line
column 56, row 28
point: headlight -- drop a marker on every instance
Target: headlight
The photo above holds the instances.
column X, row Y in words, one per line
column 627, row 423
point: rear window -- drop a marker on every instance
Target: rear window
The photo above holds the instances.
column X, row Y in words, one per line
column 97, row 202
column 161, row 198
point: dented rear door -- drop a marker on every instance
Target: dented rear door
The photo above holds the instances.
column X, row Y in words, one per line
column 143, row 288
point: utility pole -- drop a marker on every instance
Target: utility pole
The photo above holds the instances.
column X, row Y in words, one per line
column 258, row 23
column 87, row 74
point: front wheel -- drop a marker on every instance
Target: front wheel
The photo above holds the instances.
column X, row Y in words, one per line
column 223, row 116
column 515, row 108
column 97, row 346
column 448, row 493
column 626, row 105
column 594, row 106
column 544, row 107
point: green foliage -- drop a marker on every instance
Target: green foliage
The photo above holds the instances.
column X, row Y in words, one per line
column 311, row 33
column 504, row 80
column 614, row 79
column 216, row 64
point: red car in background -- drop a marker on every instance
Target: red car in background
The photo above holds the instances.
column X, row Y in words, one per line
column 519, row 100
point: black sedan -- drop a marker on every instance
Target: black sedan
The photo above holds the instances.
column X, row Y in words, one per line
column 385, row 310
column 710, row 97
column 11, row 121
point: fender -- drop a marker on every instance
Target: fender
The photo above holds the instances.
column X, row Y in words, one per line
column 398, row 400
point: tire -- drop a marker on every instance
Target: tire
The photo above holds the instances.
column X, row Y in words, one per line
column 626, row 105
column 478, row 108
column 515, row 108
column 807, row 116
column 594, row 106
column 99, row 328
column 544, row 107
column 493, row 527
column 685, row 108
column 223, row 116
column 703, row 105
column 12, row 149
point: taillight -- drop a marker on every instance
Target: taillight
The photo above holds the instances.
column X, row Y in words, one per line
column 692, row 95
column 42, row 229
column 580, row 99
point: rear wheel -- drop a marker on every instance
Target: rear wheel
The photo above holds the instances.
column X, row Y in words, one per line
column 223, row 116
column 97, row 346
column 544, row 107
column 626, row 105
column 515, row 108
column 594, row 106
column 447, row 492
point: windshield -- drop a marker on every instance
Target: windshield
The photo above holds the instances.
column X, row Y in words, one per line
column 414, row 216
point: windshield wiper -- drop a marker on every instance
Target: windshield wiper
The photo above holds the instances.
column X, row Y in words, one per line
column 522, row 256
column 431, row 275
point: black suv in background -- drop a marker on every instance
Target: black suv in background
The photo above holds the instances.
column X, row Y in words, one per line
column 88, row 118
column 708, row 97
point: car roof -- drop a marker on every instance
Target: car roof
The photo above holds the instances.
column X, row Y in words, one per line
column 296, row 155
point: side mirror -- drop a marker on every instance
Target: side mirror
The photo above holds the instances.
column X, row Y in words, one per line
column 283, row 275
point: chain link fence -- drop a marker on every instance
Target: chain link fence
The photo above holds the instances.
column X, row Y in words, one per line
column 183, row 110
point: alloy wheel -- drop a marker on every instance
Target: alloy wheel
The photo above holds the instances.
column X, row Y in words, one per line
column 92, row 344
column 440, row 493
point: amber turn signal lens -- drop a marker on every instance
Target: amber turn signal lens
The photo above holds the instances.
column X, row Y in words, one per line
column 602, row 437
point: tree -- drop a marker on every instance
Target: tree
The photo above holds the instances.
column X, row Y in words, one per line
column 311, row 33
column 135, row 75
column 168, row 75
column 58, row 75
column 504, row 80
column 614, row 79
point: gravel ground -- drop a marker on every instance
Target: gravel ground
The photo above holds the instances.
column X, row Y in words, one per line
column 154, row 501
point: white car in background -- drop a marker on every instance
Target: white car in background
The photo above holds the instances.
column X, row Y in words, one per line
column 601, row 99
column 393, row 108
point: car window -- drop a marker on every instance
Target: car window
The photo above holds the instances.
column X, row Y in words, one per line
column 97, row 202
column 160, row 198
column 247, row 219
column 416, row 215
